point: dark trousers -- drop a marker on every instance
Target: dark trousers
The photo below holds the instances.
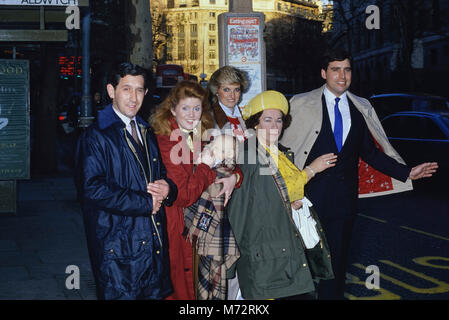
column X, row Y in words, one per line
column 338, row 234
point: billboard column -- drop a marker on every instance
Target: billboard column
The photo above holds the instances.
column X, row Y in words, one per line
column 241, row 44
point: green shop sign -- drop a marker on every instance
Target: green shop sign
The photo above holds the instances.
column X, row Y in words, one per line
column 14, row 120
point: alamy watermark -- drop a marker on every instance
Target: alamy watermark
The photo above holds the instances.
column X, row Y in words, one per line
column 73, row 280
column 373, row 20
column 73, row 20
column 373, row 280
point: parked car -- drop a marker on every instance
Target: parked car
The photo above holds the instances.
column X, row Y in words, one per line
column 420, row 137
column 389, row 103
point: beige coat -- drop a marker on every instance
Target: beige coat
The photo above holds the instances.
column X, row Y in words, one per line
column 307, row 116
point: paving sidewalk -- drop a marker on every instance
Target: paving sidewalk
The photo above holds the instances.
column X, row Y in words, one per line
column 38, row 243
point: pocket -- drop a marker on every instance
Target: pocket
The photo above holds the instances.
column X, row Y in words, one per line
column 127, row 265
column 271, row 266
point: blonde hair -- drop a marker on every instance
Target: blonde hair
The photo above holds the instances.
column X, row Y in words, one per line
column 160, row 120
column 227, row 75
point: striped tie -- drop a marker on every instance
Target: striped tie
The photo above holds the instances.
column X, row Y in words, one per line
column 134, row 134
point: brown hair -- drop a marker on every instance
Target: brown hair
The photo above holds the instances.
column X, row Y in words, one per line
column 160, row 120
column 253, row 121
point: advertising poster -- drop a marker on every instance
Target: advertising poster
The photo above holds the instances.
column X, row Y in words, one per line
column 244, row 51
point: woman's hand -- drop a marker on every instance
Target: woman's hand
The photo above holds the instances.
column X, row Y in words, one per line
column 228, row 187
column 296, row 204
column 424, row 170
column 323, row 162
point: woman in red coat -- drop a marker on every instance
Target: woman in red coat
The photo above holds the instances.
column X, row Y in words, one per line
column 179, row 123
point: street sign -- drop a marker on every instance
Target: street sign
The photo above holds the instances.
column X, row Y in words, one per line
column 14, row 120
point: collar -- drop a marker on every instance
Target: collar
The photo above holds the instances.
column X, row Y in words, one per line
column 124, row 118
column 109, row 117
column 330, row 97
column 233, row 114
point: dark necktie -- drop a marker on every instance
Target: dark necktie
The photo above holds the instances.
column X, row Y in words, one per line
column 134, row 134
column 338, row 126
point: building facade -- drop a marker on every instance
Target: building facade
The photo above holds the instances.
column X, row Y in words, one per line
column 187, row 30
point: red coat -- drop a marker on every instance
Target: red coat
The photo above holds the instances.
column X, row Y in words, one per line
column 190, row 186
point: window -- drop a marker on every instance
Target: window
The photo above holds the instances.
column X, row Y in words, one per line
column 212, row 42
column 169, row 50
column 212, row 1
column 193, row 49
column 412, row 128
column 181, row 49
column 193, row 30
column 170, row 3
column 212, row 14
column 211, row 27
column 182, row 3
column 212, row 54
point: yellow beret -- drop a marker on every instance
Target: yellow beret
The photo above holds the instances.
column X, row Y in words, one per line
column 265, row 100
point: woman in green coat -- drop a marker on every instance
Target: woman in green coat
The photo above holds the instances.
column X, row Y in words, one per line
column 273, row 262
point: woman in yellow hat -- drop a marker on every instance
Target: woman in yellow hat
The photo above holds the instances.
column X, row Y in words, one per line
column 275, row 226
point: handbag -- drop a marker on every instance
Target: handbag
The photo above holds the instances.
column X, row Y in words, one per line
column 315, row 245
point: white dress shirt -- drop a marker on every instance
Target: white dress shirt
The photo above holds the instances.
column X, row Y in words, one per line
column 127, row 122
column 343, row 105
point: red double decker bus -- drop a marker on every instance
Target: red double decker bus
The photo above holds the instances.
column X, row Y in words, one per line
column 168, row 75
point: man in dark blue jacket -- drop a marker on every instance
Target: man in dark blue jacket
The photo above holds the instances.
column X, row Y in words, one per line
column 123, row 185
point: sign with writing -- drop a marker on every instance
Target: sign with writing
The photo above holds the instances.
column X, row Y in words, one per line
column 69, row 66
column 14, row 120
column 244, row 49
column 65, row 3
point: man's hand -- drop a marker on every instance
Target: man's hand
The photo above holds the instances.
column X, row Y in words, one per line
column 159, row 190
column 424, row 170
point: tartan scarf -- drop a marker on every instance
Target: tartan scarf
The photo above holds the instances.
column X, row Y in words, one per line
column 206, row 222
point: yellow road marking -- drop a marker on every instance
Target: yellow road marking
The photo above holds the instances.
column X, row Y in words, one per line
column 440, row 288
column 424, row 261
column 425, row 233
column 372, row 218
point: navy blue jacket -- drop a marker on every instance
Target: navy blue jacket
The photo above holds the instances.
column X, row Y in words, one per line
column 127, row 245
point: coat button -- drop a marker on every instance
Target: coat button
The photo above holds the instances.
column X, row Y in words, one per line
column 304, row 265
column 283, row 249
column 144, row 242
column 305, row 152
column 154, row 159
column 158, row 223
column 111, row 251
column 157, row 252
column 317, row 132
